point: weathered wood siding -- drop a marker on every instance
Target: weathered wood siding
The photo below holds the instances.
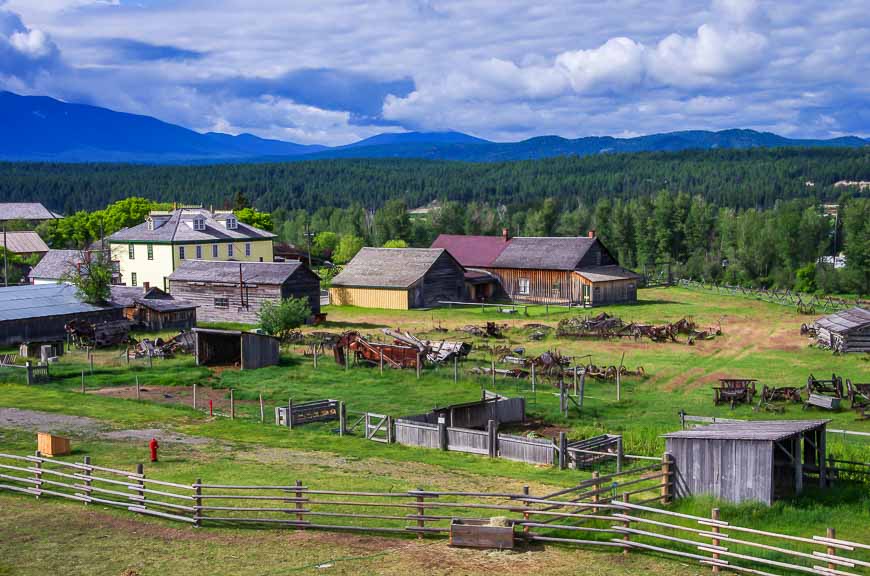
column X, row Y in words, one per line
column 14, row 332
column 258, row 351
column 733, row 470
column 465, row 440
column 553, row 286
column 597, row 255
column 303, row 283
column 417, row 434
column 610, row 292
column 390, row 298
column 443, row 282
column 522, row 449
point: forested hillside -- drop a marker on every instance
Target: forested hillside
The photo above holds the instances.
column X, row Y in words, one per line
column 733, row 178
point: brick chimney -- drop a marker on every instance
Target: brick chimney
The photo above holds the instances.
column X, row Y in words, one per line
column 505, row 234
column 592, row 233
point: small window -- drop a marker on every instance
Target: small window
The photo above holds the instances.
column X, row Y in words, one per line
column 247, row 248
column 131, row 251
column 523, row 286
column 199, row 252
column 221, row 302
column 151, row 252
column 231, row 223
column 230, row 250
column 134, row 281
column 214, row 250
column 199, row 224
column 181, row 252
column 150, row 223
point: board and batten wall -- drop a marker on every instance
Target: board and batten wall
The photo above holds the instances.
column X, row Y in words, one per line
column 390, row 298
column 732, row 470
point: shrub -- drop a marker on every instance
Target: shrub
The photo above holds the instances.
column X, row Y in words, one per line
column 281, row 318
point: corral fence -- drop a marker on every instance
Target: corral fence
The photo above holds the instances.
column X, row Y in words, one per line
column 33, row 374
column 620, row 511
column 804, row 303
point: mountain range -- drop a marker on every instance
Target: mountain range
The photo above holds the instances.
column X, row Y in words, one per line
column 39, row 128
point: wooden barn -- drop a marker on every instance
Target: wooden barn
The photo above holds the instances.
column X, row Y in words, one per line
column 153, row 309
column 762, row 460
column 38, row 313
column 247, row 350
column 845, row 331
column 226, row 291
column 399, row 278
column 557, row 270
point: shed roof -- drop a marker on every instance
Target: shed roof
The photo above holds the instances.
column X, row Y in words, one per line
column 231, row 332
column 23, row 242
column 153, row 298
column 42, row 300
column 479, row 251
column 607, row 273
column 388, row 267
column 26, row 211
column 56, row 263
column 172, row 227
column 228, row 271
column 845, row 320
column 544, row 253
column 757, row 430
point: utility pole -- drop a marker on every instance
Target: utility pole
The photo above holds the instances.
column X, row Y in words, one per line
column 5, row 257
column 308, row 235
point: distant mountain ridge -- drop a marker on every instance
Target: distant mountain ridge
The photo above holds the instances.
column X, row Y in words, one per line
column 39, row 128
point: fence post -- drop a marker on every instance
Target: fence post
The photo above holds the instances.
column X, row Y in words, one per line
column 492, row 368
column 232, row 405
column 596, row 497
column 666, row 478
column 87, row 474
column 342, row 419
column 619, row 454
column 525, row 505
column 299, row 515
column 83, row 381
column 715, row 529
column 442, row 434
column 533, row 376
column 138, row 393
column 262, row 411
column 626, row 524
column 421, row 511
column 575, row 380
column 618, row 386
column 563, row 451
column 194, row 393
column 140, row 470
column 290, row 413
column 389, row 429
column 315, row 356
column 91, row 361
column 37, row 473
column 831, row 534
column 455, row 368
column 197, row 503
column 381, row 359
column 490, row 445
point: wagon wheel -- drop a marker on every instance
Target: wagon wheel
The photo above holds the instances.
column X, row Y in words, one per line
column 766, row 394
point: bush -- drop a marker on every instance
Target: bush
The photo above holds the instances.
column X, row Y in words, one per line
column 281, row 318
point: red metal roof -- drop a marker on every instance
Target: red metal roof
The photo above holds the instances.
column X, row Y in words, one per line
column 472, row 251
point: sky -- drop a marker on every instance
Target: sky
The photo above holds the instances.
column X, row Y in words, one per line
column 333, row 71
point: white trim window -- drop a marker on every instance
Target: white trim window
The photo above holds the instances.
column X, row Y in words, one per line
column 523, row 286
column 214, row 250
column 248, row 249
column 229, row 250
column 221, row 302
column 199, row 224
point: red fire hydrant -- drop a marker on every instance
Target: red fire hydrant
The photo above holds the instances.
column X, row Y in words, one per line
column 153, row 445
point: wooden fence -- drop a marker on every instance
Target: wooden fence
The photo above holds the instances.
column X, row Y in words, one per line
column 804, row 303
column 618, row 511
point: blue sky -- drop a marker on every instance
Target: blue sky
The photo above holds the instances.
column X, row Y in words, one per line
column 332, row 72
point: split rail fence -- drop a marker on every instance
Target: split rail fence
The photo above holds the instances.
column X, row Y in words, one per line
column 805, row 303
column 616, row 511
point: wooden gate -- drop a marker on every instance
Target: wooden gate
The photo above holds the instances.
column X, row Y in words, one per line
column 378, row 427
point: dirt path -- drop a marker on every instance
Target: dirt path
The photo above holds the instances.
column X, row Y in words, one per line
column 219, row 397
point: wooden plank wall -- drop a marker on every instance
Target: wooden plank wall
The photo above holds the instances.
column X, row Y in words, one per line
column 417, row 434
column 203, row 294
column 530, row 450
column 14, row 332
column 443, row 282
column 258, row 351
column 389, row 298
column 465, row 440
column 552, row 286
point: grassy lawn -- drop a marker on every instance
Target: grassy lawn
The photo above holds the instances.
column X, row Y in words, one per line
column 759, row 340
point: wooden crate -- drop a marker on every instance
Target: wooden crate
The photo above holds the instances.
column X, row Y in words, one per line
column 471, row 533
column 51, row 445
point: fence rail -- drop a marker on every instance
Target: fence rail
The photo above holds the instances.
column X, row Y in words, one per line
column 610, row 512
column 804, row 303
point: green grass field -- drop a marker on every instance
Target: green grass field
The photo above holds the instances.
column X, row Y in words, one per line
column 759, row 340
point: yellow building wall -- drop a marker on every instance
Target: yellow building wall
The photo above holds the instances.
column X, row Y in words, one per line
column 394, row 299
column 168, row 257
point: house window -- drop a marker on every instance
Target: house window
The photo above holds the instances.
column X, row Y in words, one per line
column 131, row 251
column 523, row 286
column 221, row 302
column 199, row 224
column 230, row 250
column 133, row 280
column 247, row 248
column 199, row 252
column 231, row 223
column 214, row 250
column 151, row 252
column 181, row 252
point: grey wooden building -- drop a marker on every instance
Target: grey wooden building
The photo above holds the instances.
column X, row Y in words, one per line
column 247, row 350
column 38, row 313
column 845, row 331
column 762, row 460
column 227, row 291
column 153, row 309
column 399, row 278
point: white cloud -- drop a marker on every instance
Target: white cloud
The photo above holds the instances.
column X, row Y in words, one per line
column 617, row 64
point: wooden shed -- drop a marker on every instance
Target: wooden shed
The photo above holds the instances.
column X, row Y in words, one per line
column 247, row 350
column 234, row 291
column 845, row 331
column 399, row 278
column 154, row 309
column 760, row 461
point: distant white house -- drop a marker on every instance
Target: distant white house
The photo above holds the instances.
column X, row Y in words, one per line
column 838, row 261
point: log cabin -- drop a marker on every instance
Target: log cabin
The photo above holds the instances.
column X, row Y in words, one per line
column 230, row 291
column 845, row 331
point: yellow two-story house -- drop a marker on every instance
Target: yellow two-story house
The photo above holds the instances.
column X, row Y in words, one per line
column 145, row 255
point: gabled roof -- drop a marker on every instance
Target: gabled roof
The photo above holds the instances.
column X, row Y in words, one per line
column 26, row 211
column 55, row 264
column 761, row 430
column 23, row 242
column 388, row 267
column 153, row 298
column 174, row 228
column 845, row 320
column 544, row 253
column 607, row 273
column 473, row 251
column 42, row 300
column 228, row 271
